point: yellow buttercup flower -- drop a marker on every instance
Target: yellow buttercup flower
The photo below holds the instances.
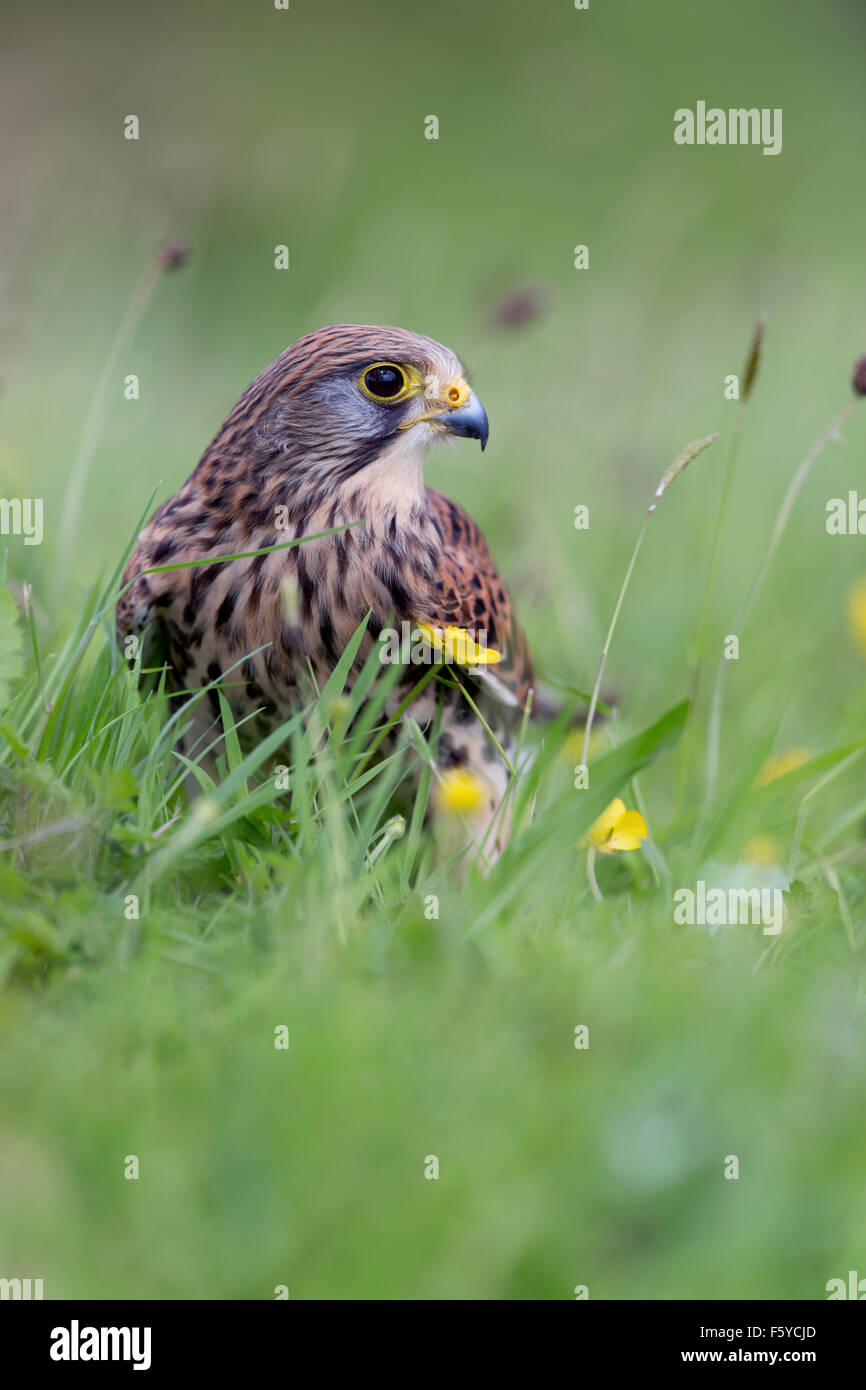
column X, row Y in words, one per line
column 762, row 850
column 778, row 764
column 459, row 790
column 857, row 614
column 458, row 645
column 616, row 830
column 572, row 748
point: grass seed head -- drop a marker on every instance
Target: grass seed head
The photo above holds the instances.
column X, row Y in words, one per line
column 753, row 361
column 173, row 254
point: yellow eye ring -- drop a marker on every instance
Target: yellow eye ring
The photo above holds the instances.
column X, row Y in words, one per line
column 384, row 382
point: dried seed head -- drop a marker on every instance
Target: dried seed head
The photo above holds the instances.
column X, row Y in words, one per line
column 858, row 381
column 520, row 307
column 753, row 361
column 173, row 254
column 682, row 461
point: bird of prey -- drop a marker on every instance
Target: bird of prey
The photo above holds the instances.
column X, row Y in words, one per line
column 335, row 431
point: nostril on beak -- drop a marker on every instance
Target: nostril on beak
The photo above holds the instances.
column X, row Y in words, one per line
column 456, row 393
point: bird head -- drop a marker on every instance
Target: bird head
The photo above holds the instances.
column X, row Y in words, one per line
column 355, row 400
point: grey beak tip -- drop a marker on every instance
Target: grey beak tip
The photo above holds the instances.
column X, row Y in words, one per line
column 470, row 421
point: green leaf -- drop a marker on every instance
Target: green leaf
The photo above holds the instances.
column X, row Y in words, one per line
column 610, row 773
column 571, row 815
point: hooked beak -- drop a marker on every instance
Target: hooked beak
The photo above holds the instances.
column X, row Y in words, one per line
column 469, row 420
column 457, row 411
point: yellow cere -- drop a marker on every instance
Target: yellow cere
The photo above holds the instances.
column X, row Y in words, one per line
column 456, row 392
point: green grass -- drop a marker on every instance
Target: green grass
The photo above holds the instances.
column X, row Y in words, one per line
column 149, row 951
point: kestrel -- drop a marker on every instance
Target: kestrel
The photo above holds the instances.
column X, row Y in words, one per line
column 335, row 431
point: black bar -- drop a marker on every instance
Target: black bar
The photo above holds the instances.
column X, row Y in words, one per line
column 229, row 1338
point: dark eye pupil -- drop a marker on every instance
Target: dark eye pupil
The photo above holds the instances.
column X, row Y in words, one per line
column 384, row 381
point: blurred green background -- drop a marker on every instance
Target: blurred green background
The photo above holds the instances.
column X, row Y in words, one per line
column 261, row 127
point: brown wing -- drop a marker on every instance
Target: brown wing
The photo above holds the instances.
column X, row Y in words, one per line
column 470, row 593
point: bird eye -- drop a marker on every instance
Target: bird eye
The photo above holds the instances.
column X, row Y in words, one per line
column 384, row 381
